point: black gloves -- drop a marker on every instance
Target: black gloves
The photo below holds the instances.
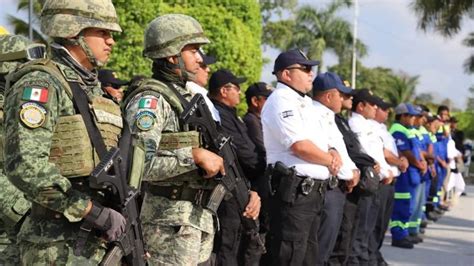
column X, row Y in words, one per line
column 111, row 222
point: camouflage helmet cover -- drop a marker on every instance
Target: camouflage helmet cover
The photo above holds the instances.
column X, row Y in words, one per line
column 67, row 18
column 168, row 34
column 8, row 44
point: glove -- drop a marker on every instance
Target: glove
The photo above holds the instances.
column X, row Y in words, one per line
column 111, row 222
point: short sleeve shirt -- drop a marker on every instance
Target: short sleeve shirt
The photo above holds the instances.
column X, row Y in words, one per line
column 288, row 117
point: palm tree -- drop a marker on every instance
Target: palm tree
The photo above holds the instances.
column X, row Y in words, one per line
column 469, row 63
column 443, row 16
column 315, row 31
column 21, row 27
column 402, row 89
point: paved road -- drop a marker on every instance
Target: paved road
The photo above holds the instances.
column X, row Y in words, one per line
column 449, row 241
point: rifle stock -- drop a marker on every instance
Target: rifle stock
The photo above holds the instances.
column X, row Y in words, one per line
column 124, row 199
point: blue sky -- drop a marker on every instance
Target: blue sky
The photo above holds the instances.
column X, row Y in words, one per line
column 389, row 29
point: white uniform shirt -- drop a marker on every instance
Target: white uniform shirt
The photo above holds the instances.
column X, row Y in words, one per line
column 327, row 120
column 195, row 88
column 370, row 141
column 388, row 143
column 452, row 153
column 288, row 117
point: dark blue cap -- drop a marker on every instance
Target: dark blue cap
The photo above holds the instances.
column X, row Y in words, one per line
column 329, row 80
column 222, row 77
column 292, row 57
column 406, row 108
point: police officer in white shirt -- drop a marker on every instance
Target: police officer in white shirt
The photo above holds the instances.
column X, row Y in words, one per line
column 385, row 194
column 200, row 81
column 293, row 136
column 364, row 108
column 327, row 94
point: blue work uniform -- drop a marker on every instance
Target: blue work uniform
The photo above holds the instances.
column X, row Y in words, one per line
column 406, row 183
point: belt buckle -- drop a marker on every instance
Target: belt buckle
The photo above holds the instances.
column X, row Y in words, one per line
column 307, row 186
column 333, row 182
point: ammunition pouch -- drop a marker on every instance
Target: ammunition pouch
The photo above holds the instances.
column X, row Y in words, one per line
column 286, row 184
column 197, row 196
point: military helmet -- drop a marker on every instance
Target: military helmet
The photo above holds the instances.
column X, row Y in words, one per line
column 65, row 19
column 168, row 34
column 9, row 44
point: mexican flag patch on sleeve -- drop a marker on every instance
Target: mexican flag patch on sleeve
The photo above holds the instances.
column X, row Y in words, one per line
column 147, row 103
column 35, row 94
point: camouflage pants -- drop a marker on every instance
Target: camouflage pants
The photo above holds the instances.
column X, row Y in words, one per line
column 176, row 232
column 52, row 243
column 9, row 251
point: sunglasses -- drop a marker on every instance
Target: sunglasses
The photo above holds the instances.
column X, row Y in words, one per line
column 305, row 69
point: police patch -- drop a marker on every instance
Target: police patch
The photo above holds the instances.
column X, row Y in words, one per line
column 32, row 114
column 286, row 114
column 145, row 120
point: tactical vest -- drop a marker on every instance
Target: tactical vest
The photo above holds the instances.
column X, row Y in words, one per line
column 71, row 148
column 169, row 140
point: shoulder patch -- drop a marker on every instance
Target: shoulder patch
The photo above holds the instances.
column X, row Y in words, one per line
column 33, row 115
column 147, row 103
column 35, row 93
column 286, row 114
column 145, row 120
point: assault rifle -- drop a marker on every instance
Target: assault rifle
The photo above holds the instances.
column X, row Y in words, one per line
column 197, row 114
column 124, row 199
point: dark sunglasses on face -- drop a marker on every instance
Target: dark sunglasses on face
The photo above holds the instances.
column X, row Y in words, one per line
column 305, row 69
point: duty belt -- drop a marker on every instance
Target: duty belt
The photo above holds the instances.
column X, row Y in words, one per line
column 40, row 212
column 309, row 184
column 197, row 196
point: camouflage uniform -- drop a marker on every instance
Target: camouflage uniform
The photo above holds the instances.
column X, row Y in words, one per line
column 48, row 154
column 178, row 230
column 13, row 205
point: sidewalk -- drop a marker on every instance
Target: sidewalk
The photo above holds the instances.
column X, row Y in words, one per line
column 450, row 241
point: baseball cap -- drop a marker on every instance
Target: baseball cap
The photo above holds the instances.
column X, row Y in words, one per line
column 258, row 89
column 329, row 80
column 363, row 95
column 292, row 57
column 206, row 59
column 383, row 104
column 406, row 108
column 107, row 76
column 222, row 77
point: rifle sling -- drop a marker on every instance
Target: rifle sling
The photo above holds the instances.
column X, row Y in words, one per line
column 81, row 103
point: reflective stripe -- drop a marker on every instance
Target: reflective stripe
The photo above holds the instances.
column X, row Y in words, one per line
column 397, row 127
column 435, row 200
column 433, row 137
column 398, row 224
column 423, row 208
column 401, row 195
column 417, row 133
column 414, row 223
column 439, row 193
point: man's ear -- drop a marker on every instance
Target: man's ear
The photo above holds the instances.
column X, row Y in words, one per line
column 223, row 92
column 254, row 101
column 172, row 59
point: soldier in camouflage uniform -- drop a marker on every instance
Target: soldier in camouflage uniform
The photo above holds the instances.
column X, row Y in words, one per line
column 178, row 230
column 48, row 152
column 13, row 205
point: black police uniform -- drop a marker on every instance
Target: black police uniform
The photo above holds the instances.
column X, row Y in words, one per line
column 231, row 245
